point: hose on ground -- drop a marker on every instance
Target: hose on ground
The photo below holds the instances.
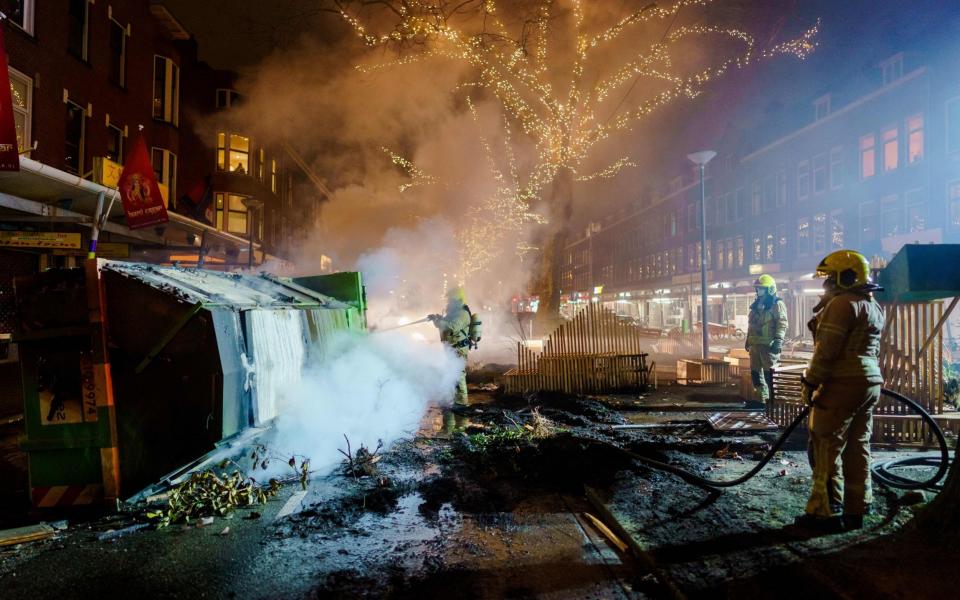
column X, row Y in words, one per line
column 883, row 476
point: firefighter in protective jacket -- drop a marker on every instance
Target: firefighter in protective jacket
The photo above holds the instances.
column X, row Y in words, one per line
column 843, row 381
column 766, row 329
column 454, row 326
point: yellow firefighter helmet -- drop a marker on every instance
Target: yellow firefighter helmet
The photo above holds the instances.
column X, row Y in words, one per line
column 846, row 268
column 456, row 294
column 766, row 281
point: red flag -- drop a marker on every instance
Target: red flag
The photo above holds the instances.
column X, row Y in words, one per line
column 139, row 190
column 9, row 150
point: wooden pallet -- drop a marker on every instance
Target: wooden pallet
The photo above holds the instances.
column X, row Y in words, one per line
column 698, row 370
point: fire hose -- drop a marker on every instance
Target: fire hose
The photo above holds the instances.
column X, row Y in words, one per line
column 881, row 472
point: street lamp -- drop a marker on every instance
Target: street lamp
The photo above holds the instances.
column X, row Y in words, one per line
column 252, row 204
column 701, row 159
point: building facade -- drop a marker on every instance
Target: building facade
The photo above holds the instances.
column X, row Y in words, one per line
column 873, row 173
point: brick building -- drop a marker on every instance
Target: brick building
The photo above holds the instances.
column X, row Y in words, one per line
column 872, row 167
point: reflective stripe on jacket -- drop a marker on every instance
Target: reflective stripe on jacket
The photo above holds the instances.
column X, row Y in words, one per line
column 766, row 324
column 847, row 340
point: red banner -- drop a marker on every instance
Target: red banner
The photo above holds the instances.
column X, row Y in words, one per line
column 9, row 150
column 139, row 190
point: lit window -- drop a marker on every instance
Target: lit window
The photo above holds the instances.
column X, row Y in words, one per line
column 231, row 213
column 891, row 215
column 770, row 246
column 803, row 236
column 166, row 90
column 20, row 13
column 803, row 180
column 916, row 206
column 868, row 156
column 730, row 254
column 819, row 232
column 118, row 53
column 836, row 230
column 233, row 152
column 740, row 251
column 76, row 135
column 77, row 22
column 836, row 168
column 781, row 242
column 757, row 248
column 820, row 175
column 165, row 168
column 273, row 175
column 720, row 255
column 21, row 93
column 115, row 144
column 261, row 164
column 953, row 199
column 914, row 139
column 891, row 149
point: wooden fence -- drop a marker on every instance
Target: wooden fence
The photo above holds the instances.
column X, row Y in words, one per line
column 911, row 358
column 593, row 353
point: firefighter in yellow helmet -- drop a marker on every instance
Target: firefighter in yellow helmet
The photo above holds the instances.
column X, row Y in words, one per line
column 843, row 381
column 454, row 326
column 766, row 328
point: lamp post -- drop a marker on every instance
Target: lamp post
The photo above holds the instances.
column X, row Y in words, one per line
column 701, row 159
column 252, row 204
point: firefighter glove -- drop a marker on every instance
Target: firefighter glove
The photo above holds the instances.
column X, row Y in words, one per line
column 806, row 391
column 776, row 346
column 746, row 346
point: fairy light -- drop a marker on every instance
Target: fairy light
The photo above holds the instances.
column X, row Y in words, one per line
column 563, row 122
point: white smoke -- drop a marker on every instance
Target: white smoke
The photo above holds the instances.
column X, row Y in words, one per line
column 368, row 387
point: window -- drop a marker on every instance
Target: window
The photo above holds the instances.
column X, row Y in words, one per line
column 891, row 215
column 916, row 207
column 891, row 149
column 720, row 255
column 769, row 193
column 869, row 221
column 821, row 107
column 77, row 14
column 868, row 156
column 118, row 53
column 914, row 139
column 740, row 251
column 836, row 168
column 691, row 217
column 233, row 153
column 76, row 132
column 781, row 242
column 165, row 168
column 820, row 175
column 166, row 90
column 741, row 203
column 20, row 13
column 730, row 253
column 770, row 247
column 21, row 92
column 115, row 144
column 781, row 188
column 231, row 213
column 273, row 180
column 819, row 232
column 892, row 69
column 261, row 165
column 757, row 248
column 803, row 180
column 228, row 98
column 953, row 125
column 836, row 230
column 803, row 236
column 756, row 198
column 953, row 200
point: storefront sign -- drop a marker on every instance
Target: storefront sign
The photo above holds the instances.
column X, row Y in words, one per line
column 106, row 172
column 104, row 250
column 39, row 239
